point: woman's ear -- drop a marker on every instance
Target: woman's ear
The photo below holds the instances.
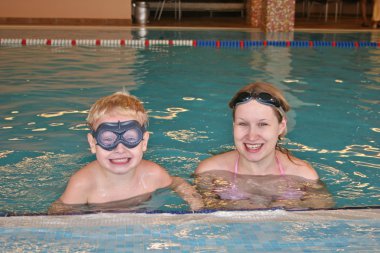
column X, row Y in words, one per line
column 92, row 142
column 283, row 128
column 145, row 141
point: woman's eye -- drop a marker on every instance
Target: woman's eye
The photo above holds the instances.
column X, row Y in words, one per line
column 242, row 124
column 262, row 124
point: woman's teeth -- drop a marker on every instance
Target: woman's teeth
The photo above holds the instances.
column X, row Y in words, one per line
column 253, row 146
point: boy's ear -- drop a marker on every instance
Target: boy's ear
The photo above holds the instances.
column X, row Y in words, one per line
column 145, row 141
column 92, row 142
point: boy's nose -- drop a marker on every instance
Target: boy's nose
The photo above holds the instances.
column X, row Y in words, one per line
column 120, row 147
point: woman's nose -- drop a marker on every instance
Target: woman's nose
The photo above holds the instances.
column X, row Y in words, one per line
column 252, row 133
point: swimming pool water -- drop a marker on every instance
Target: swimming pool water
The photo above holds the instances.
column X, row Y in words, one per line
column 46, row 92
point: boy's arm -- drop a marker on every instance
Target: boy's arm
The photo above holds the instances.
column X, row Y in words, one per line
column 187, row 192
column 59, row 208
column 75, row 194
column 76, row 191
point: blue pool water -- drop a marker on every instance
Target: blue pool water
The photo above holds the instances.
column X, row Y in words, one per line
column 46, row 92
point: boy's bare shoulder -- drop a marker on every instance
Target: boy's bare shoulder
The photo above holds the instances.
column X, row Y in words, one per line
column 85, row 175
column 79, row 185
column 152, row 166
column 155, row 174
column 216, row 162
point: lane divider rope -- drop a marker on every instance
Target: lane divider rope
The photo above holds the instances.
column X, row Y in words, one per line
column 188, row 43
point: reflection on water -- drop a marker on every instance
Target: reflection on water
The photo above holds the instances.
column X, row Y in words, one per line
column 351, row 150
column 373, row 72
column 168, row 114
column 58, row 114
column 186, row 136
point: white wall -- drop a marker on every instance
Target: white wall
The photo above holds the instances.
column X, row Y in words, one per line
column 80, row 9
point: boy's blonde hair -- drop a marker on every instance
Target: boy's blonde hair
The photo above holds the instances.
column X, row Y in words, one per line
column 119, row 102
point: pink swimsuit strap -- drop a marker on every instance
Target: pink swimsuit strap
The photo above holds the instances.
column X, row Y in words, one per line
column 236, row 171
column 279, row 165
column 237, row 164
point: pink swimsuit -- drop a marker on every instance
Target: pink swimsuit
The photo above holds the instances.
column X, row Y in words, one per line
column 234, row 193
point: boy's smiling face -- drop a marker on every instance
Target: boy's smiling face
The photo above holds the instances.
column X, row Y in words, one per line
column 121, row 159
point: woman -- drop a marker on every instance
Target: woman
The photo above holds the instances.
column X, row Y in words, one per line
column 259, row 173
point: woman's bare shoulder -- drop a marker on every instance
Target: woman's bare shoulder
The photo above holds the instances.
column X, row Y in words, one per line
column 218, row 162
column 298, row 167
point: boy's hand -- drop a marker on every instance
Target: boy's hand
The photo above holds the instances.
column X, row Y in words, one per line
column 188, row 193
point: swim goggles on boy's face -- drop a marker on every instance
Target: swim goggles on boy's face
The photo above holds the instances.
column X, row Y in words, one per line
column 109, row 135
column 263, row 98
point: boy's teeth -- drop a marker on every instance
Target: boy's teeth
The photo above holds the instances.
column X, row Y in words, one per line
column 253, row 146
column 120, row 160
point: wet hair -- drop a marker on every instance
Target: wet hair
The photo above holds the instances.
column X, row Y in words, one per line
column 120, row 103
column 259, row 87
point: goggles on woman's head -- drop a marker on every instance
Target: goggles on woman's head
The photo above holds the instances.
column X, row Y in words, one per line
column 262, row 97
column 110, row 134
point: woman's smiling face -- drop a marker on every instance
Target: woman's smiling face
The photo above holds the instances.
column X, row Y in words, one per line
column 256, row 130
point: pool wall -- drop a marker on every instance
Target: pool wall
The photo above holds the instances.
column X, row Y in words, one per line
column 258, row 231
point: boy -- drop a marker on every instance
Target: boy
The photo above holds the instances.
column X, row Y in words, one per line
column 119, row 138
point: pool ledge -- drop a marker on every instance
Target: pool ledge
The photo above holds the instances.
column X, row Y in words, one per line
column 120, row 219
